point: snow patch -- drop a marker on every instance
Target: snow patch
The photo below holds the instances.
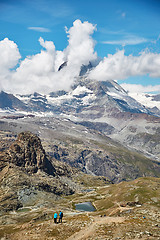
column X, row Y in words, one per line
column 81, row 90
column 145, row 100
column 88, row 99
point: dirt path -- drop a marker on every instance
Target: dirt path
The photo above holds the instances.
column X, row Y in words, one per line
column 119, row 209
column 89, row 230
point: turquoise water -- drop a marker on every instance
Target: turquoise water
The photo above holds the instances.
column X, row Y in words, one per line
column 85, row 206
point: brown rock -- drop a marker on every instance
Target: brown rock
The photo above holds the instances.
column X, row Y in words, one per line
column 27, row 152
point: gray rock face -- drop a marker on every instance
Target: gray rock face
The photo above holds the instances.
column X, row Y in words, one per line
column 10, row 101
column 119, row 165
column 62, row 66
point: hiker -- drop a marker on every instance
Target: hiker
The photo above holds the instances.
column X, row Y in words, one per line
column 55, row 217
column 60, row 216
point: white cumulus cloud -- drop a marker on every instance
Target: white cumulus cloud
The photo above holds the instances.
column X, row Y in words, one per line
column 39, row 72
column 9, row 54
column 9, row 58
column 81, row 45
column 119, row 66
column 34, row 71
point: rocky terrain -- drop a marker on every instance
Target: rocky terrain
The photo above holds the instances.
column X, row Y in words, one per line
column 95, row 144
column 33, row 185
column 28, row 176
column 102, row 106
column 88, row 150
column 129, row 210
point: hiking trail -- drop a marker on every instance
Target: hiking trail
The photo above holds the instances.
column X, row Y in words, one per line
column 89, row 230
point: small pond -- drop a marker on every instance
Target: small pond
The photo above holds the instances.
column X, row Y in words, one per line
column 24, row 209
column 85, row 206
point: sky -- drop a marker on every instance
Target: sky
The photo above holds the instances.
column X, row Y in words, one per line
column 121, row 37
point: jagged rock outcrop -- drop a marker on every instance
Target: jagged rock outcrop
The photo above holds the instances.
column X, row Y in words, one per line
column 27, row 152
column 62, row 66
column 29, row 177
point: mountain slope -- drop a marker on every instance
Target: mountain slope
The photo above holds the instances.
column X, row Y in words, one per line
column 129, row 210
column 87, row 149
column 152, row 101
column 85, row 93
column 10, row 101
column 29, row 177
column 103, row 106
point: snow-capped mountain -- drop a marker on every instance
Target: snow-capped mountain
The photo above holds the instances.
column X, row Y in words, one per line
column 85, row 95
column 103, row 106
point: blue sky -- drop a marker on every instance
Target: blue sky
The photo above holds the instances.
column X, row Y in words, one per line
column 129, row 25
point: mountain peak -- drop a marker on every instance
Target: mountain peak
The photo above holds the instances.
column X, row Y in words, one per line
column 62, row 66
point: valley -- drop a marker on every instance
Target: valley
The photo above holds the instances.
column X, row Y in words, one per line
column 31, row 193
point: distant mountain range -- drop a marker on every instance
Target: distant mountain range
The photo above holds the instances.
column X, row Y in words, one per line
column 102, row 106
column 85, row 94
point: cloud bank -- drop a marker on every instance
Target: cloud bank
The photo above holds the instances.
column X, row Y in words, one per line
column 40, row 73
column 118, row 66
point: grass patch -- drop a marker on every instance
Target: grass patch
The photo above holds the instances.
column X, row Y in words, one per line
column 23, row 210
column 103, row 204
column 143, row 190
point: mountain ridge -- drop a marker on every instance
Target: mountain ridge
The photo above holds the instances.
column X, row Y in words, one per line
column 100, row 105
column 104, row 106
column 82, row 88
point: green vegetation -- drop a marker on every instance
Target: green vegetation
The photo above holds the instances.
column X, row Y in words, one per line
column 141, row 191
